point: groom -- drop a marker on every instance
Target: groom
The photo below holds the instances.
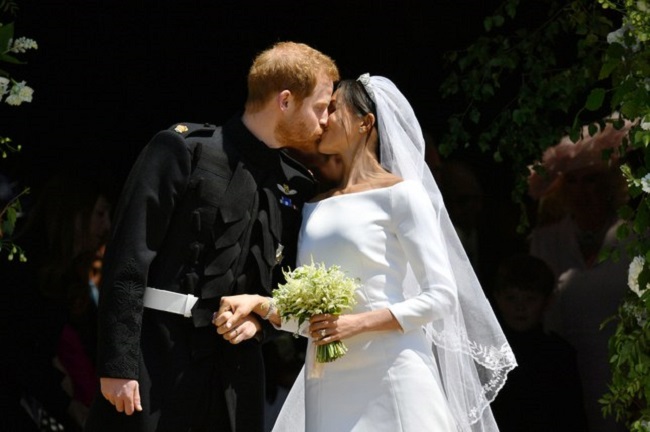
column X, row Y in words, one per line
column 206, row 212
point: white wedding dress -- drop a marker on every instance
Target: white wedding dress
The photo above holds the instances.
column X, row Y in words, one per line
column 388, row 380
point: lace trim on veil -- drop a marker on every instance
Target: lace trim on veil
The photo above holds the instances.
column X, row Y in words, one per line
column 474, row 357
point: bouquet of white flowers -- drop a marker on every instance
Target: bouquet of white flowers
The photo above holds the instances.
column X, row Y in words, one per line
column 314, row 289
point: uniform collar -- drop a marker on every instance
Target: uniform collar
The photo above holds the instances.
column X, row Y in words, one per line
column 254, row 151
column 261, row 156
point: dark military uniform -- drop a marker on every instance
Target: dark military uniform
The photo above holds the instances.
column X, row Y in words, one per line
column 210, row 212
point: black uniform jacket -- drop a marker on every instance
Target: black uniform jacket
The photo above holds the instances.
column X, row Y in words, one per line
column 205, row 211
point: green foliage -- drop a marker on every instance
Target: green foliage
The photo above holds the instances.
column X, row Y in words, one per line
column 7, row 147
column 16, row 93
column 8, row 218
column 629, row 392
column 523, row 86
column 6, row 36
column 9, row 7
column 637, row 14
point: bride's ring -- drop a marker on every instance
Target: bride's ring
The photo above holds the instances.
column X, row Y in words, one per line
column 322, row 333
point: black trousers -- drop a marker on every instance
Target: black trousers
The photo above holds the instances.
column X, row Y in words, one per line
column 190, row 380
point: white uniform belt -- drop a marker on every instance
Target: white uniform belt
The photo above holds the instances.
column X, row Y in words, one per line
column 169, row 301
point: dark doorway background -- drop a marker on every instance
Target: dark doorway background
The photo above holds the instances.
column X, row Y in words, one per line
column 109, row 74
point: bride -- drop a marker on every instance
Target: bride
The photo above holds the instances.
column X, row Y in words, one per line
column 425, row 351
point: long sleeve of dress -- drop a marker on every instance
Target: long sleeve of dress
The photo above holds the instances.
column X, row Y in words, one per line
column 152, row 190
column 416, row 226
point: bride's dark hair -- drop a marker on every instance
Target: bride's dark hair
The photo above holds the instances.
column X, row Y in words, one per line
column 354, row 95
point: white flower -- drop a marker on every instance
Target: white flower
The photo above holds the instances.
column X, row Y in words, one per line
column 315, row 289
column 22, row 44
column 616, row 36
column 4, row 86
column 636, row 310
column 641, row 316
column 19, row 93
column 642, row 5
column 645, row 123
column 645, row 183
column 636, row 266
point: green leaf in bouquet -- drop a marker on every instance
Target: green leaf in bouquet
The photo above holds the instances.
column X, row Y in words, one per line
column 318, row 290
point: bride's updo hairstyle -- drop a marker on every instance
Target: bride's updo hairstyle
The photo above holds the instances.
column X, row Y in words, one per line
column 352, row 93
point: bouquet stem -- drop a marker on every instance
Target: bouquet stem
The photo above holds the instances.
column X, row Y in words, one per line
column 330, row 352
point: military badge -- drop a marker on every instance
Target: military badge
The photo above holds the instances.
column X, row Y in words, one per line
column 286, row 201
column 181, row 128
column 279, row 256
column 285, row 189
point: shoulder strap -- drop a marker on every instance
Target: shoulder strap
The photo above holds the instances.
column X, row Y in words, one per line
column 205, row 141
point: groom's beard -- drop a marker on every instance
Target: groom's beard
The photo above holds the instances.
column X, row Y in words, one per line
column 295, row 134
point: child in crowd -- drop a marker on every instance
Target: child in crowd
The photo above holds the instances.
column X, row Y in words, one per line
column 544, row 392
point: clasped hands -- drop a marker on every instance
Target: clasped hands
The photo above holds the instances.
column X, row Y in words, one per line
column 237, row 321
column 234, row 320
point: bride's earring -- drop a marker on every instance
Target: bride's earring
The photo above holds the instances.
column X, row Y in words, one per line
column 362, row 130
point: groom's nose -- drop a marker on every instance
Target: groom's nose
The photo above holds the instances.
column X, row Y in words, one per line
column 323, row 120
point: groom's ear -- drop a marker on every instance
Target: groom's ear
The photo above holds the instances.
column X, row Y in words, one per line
column 283, row 98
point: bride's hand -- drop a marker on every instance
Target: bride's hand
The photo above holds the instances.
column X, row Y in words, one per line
column 244, row 329
column 326, row 328
column 233, row 310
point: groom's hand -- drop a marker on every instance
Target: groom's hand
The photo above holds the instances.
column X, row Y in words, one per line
column 236, row 331
column 122, row 393
column 233, row 309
